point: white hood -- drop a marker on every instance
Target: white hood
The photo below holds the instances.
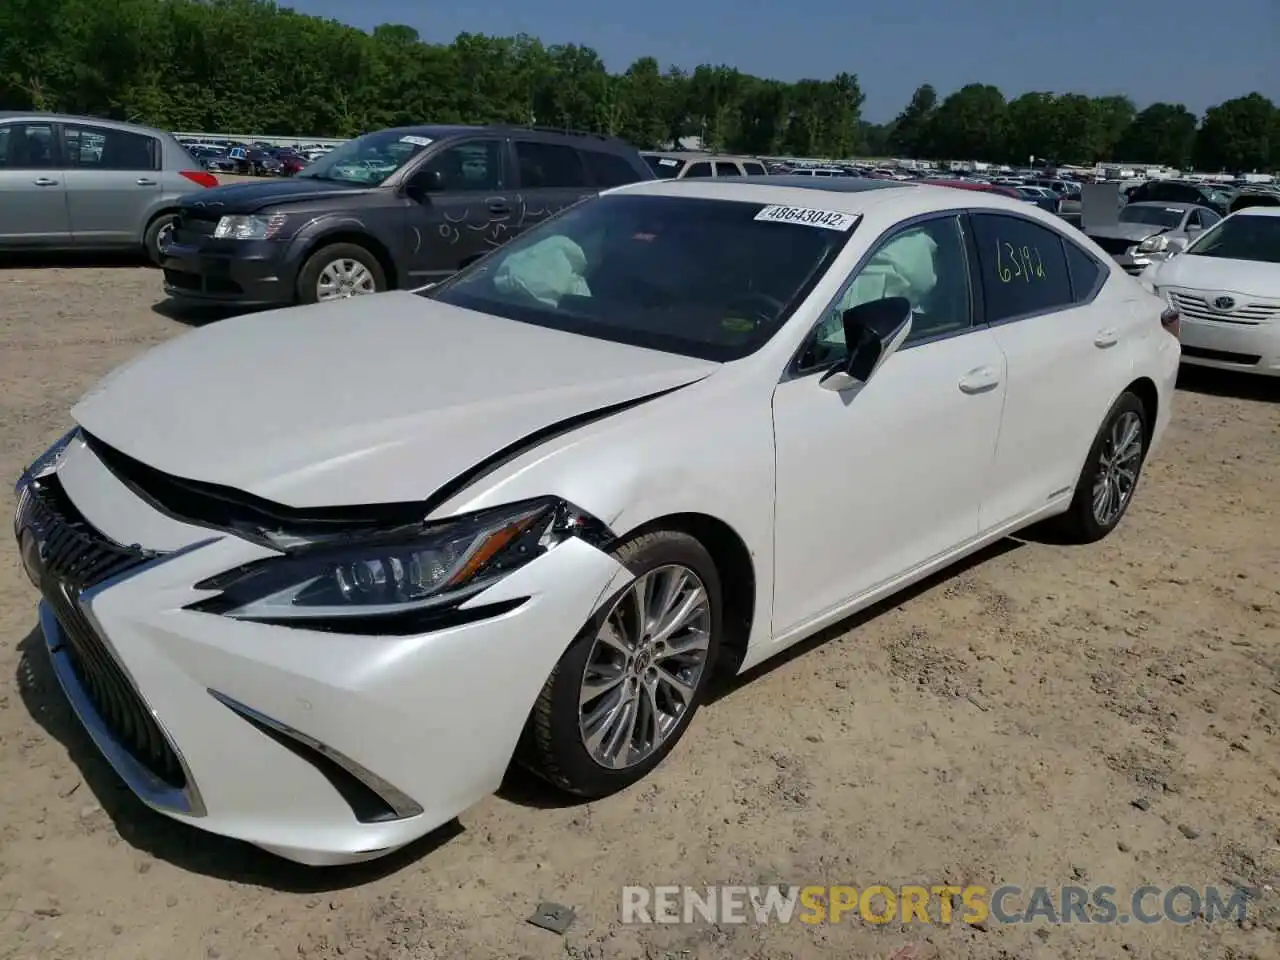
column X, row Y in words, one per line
column 1219, row 275
column 370, row 400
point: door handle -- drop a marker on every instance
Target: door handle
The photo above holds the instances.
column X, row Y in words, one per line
column 980, row 380
column 144, row 182
column 499, row 208
column 45, row 182
column 1106, row 338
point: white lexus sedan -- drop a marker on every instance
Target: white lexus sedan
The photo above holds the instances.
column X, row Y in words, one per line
column 314, row 578
column 1226, row 288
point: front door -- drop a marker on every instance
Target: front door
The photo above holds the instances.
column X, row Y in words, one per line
column 872, row 485
column 33, row 194
column 552, row 176
column 112, row 179
column 464, row 214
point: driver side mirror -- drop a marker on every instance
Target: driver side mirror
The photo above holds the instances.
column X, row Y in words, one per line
column 872, row 332
column 424, row 182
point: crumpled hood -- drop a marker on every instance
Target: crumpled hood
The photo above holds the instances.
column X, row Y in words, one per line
column 1137, row 232
column 1219, row 275
column 376, row 399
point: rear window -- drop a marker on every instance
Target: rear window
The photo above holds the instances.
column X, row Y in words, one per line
column 1241, row 237
column 702, row 278
column 664, row 167
column 609, row 169
column 754, row 169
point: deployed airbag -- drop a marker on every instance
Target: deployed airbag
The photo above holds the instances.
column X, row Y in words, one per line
column 905, row 267
column 548, row 271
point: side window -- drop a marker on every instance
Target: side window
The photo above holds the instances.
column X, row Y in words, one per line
column 1085, row 272
column 609, row 169
column 1193, row 219
column 97, row 148
column 1208, row 218
column 473, row 165
column 549, row 165
column 726, row 169
column 1023, row 266
column 700, row 169
column 27, row 146
column 755, row 170
column 928, row 264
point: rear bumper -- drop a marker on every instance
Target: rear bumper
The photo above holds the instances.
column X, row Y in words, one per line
column 245, row 273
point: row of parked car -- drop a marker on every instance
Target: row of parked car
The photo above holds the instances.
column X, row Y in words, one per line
column 253, row 159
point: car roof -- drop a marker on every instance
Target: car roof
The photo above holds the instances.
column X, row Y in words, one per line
column 893, row 198
column 1257, row 212
column 439, row 131
column 1166, row 204
column 73, row 118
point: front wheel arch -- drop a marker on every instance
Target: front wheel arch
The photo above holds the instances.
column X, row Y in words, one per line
column 311, row 244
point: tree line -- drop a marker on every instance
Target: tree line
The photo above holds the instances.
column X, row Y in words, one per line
column 250, row 66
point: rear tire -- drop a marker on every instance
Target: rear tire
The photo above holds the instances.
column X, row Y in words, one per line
column 157, row 230
column 321, row 277
column 1110, row 475
column 622, row 669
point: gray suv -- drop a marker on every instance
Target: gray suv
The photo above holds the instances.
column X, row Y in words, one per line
column 79, row 183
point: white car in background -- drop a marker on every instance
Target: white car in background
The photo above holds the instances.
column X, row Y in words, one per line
column 523, row 514
column 1226, row 289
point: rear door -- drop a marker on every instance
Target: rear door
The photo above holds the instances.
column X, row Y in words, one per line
column 112, row 178
column 33, row 196
column 727, row 168
column 1066, row 358
column 609, row 169
column 551, row 176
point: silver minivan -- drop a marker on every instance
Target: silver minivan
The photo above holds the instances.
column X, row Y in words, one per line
column 80, row 183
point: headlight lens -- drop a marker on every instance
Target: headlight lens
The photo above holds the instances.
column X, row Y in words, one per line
column 1153, row 244
column 434, row 566
column 249, row 228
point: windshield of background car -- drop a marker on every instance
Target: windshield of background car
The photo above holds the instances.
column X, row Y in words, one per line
column 1241, row 237
column 369, row 159
column 1152, row 216
column 713, row 279
column 664, row 168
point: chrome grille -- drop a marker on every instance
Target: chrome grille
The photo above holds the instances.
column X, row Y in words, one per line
column 1197, row 308
column 73, row 558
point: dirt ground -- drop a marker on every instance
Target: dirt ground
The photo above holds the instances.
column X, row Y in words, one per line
column 1044, row 716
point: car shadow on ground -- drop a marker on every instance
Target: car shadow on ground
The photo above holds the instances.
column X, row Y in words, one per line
column 1228, row 383
column 32, row 260
column 168, row 840
column 196, row 314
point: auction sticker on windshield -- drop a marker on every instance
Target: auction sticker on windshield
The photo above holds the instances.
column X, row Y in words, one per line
column 417, row 141
column 809, row 217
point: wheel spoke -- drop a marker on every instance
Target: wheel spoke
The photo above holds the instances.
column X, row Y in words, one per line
column 692, row 606
column 605, row 679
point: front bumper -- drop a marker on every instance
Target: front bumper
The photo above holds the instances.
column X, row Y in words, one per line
column 320, row 747
column 241, row 272
column 1246, row 340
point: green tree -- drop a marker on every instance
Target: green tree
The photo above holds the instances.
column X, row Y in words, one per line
column 909, row 128
column 1237, row 135
column 1162, row 133
column 971, row 124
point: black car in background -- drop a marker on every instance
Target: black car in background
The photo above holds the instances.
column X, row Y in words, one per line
column 1181, row 191
column 397, row 208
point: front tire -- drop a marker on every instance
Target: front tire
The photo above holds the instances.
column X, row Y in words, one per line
column 339, row 271
column 1110, row 475
column 158, row 230
column 627, row 688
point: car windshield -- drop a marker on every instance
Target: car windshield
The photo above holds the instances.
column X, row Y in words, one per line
column 369, row 159
column 1241, row 237
column 1152, row 216
column 664, row 167
column 713, row 279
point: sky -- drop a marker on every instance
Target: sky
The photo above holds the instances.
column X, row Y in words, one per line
column 1181, row 51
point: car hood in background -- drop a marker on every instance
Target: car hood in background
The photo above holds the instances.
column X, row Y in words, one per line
column 376, row 399
column 1219, row 275
column 1135, row 232
column 251, row 197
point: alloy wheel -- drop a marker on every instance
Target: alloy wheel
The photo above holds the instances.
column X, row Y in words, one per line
column 1118, row 465
column 645, row 666
column 344, row 278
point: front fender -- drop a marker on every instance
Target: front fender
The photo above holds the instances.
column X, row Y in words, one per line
column 700, row 450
